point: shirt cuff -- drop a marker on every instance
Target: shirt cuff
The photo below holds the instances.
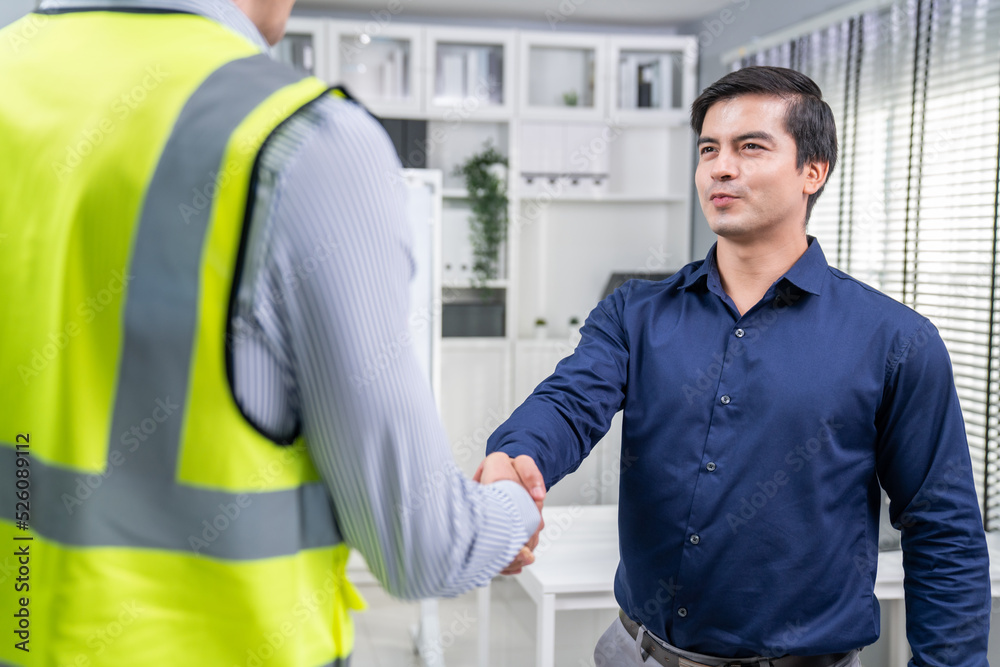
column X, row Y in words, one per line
column 523, row 504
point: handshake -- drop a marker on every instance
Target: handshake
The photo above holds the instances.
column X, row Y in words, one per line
column 498, row 466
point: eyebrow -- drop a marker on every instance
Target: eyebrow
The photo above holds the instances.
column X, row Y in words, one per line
column 763, row 136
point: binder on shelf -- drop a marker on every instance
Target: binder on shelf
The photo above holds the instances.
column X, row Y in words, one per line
column 451, row 76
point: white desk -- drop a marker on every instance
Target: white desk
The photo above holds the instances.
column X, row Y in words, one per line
column 576, row 560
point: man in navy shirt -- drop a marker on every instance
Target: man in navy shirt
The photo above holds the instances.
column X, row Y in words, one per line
column 766, row 398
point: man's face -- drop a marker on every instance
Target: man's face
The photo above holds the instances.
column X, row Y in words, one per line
column 747, row 179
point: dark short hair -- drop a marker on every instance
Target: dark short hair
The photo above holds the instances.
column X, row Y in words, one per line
column 807, row 117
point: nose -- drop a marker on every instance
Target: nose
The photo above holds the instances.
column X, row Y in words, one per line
column 724, row 166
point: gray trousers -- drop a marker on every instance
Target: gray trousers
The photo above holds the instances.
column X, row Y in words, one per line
column 616, row 648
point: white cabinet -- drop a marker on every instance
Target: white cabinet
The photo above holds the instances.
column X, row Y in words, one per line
column 304, row 46
column 381, row 64
column 595, row 129
column 470, row 73
column 652, row 80
column 563, row 75
column 570, row 157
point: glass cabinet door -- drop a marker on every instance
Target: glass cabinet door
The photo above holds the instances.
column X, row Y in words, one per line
column 562, row 75
column 304, row 46
column 380, row 65
column 652, row 77
column 470, row 72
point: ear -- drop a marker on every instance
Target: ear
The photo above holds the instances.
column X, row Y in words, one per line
column 816, row 173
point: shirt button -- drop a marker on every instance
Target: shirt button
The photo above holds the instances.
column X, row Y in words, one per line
column 726, row 400
column 682, row 612
column 740, row 333
column 695, row 539
column 710, row 466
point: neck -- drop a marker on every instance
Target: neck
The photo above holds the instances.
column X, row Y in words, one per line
column 747, row 270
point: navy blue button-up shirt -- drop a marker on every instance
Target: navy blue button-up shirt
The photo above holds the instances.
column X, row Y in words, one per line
column 752, row 451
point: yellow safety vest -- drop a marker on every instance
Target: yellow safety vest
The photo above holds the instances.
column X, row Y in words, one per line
column 159, row 526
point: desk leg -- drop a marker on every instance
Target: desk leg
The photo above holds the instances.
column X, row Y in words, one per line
column 545, row 632
column 899, row 648
column 483, row 604
column 427, row 635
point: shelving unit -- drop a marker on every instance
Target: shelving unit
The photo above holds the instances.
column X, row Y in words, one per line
column 596, row 185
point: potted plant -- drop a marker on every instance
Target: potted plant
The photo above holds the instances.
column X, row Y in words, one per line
column 541, row 328
column 486, row 181
column 574, row 329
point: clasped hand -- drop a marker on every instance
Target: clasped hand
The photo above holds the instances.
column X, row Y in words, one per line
column 498, row 466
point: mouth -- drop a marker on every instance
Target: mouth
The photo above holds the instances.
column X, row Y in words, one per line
column 720, row 199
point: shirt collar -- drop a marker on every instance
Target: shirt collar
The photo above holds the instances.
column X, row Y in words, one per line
column 810, row 270
column 807, row 273
column 223, row 12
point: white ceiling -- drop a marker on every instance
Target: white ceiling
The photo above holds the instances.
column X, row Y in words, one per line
column 620, row 12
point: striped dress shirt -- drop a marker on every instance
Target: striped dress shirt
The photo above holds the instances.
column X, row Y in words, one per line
column 320, row 346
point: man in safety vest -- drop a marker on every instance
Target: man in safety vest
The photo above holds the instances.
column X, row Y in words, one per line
column 207, row 394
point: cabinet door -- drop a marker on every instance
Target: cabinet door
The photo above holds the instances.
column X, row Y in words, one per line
column 424, row 207
column 563, row 75
column 653, row 79
column 381, row 64
column 469, row 73
column 304, row 46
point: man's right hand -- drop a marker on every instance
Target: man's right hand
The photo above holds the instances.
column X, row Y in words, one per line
column 498, row 466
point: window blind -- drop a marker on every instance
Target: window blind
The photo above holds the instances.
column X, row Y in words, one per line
column 913, row 206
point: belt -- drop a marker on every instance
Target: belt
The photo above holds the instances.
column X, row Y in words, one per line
column 668, row 658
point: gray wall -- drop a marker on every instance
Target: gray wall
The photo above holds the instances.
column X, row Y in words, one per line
column 11, row 10
column 734, row 26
